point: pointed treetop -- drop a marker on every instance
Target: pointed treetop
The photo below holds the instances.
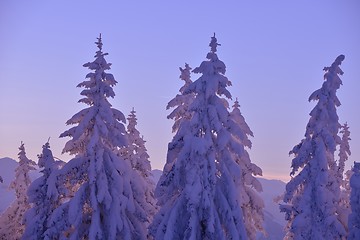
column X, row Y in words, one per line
column 213, row 44
column 47, row 144
column 345, row 131
column 345, row 126
column 339, row 60
column 99, row 42
column 236, row 104
column 100, row 62
column 132, row 113
column 335, row 66
column 21, row 148
column 132, row 117
column 185, row 72
column 46, row 159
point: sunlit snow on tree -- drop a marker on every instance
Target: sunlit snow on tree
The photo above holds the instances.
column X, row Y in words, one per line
column 200, row 190
column 181, row 101
column 312, row 196
column 136, row 153
column 104, row 205
column 43, row 196
column 344, row 153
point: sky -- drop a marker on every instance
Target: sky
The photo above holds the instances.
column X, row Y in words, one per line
column 274, row 51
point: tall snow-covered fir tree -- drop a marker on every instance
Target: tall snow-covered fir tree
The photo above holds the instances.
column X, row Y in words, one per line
column 181, row 101
column 251, row 203
column 104, row 204
column 12, row 220
column 198, row 193
column 43, row 195
column 354, row 217
column 136, row 153
column 312, row 196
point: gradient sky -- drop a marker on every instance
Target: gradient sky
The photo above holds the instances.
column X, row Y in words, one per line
column 274, row 52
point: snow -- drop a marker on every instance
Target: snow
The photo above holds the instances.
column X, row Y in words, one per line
column 354, row 217
column 103, row 189
column 274, row 220
column 312, row 198
column 202, row 194
column 11, row 220
column 209, row 188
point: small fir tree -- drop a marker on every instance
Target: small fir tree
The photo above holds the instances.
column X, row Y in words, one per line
column 43, row 195
column 12, row 220
column 344, row 153
column 136, row 153
column 181, row 101
column 251, row 203
column 103, row 205
column 354, row 217
column 312, row 196
column 181, row 114
column 198, row 193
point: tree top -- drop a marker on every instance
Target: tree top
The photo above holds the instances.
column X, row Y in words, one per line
column 335, row 65
column 236, row 104
column 99, row 42
column 213, row 44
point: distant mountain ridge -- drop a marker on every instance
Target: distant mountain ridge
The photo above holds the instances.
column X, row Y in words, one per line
column 7, row 172
column 7, row 168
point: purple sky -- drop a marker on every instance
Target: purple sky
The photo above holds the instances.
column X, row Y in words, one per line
column 274, row 52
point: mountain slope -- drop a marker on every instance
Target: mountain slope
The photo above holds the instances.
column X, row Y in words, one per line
column 7, row 172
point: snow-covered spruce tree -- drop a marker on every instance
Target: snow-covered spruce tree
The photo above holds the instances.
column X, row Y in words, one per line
column 12, row 220
column 136, row 153
column 354, row 217
column 346, row 190
column 344, row 153
column 181, row 113
column 312, row 196
column 104, row 204
column 199, row 191
column 43, row 195
column 181, row 102
column 251, row 203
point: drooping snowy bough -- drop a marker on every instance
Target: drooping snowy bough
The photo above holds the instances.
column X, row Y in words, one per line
column 312, row 196
column 201, row 192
